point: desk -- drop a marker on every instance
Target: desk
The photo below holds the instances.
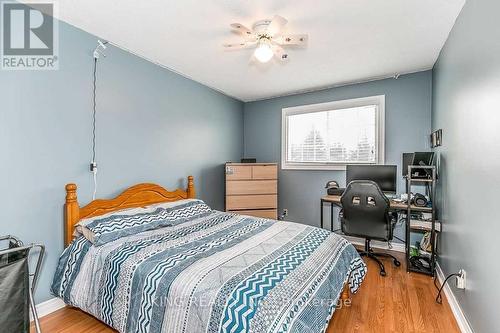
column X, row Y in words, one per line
column 334, row 200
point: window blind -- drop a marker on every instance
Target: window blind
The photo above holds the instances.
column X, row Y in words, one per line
column 340, row 136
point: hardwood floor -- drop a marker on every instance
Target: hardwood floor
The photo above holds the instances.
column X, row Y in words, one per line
column 399, row 302
column 72, row 320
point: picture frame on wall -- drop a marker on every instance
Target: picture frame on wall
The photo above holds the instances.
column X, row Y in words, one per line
column 436, row 138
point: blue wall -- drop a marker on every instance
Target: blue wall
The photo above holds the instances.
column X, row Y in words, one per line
column 466, row 100
column 152, row 126
column 408, row 123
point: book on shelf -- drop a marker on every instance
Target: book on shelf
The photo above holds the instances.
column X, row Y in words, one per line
column 425, row 225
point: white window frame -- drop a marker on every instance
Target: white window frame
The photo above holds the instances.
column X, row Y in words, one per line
column 343, row 104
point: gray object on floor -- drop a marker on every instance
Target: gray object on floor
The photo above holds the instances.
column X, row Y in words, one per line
column 16, row 294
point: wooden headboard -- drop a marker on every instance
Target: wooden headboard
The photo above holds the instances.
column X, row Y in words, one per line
column 136, row 196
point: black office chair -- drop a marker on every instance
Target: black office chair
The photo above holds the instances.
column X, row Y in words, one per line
column 365, row 214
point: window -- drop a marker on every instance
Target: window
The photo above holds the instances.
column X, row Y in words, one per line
column 329, row 136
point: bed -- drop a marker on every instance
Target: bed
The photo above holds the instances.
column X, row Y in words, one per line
column 153, row 260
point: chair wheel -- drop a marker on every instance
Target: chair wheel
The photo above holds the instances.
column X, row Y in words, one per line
column 383, row 273
column 397, row 263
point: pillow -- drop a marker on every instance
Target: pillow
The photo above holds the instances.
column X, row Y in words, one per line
column 106, row 228
column 133, row 211
column 171, row 204
column 80, row 227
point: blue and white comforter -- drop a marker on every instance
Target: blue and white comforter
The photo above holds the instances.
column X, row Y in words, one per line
column 219, row 272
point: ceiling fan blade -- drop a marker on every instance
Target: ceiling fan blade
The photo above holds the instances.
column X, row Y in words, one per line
column 241, row 29
column 280, row 53
column 239, row 45
column 300, row 40
column 276, row 25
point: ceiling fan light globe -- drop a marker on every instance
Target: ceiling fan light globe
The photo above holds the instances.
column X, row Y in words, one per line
column 264, row 53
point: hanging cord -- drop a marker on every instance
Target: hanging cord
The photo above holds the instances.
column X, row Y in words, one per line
column 98, row 52
column 94, row 113
column 439, row 299
column 94, row 107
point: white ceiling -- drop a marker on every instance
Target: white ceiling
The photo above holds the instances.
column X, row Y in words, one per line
column 349, row 40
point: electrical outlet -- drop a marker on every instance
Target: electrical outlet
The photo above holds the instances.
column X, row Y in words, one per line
column 461, row 279
column 283, row 215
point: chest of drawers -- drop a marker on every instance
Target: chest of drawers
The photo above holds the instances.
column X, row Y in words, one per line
column 252, row 189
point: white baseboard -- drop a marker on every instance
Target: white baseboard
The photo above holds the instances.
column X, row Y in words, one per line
column 398, row 247
column 462, row 321
column 48, row 307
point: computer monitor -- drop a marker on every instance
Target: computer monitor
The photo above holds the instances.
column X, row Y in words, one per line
column 423, row 159
column 383, row 175
column 407, row 161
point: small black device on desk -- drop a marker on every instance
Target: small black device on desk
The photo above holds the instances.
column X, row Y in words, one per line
column 248, row 160
column 333, row 188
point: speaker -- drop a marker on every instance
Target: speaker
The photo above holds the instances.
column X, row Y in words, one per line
column 335, row 191
column 420, row 200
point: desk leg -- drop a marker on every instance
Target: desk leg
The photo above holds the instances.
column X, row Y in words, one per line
column 321, row 212
column 331, row 216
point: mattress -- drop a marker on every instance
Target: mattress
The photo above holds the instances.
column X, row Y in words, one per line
column 210, row 272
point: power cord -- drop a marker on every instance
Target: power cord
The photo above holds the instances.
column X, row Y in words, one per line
column 98, row 51
column 439, row 299
column 94, row 109
column 399, row 239
column 93, row 164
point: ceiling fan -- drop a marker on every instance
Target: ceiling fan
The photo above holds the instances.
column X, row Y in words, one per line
column 268, row 37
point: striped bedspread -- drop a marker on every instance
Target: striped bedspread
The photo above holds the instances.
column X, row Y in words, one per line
column 219, row 272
